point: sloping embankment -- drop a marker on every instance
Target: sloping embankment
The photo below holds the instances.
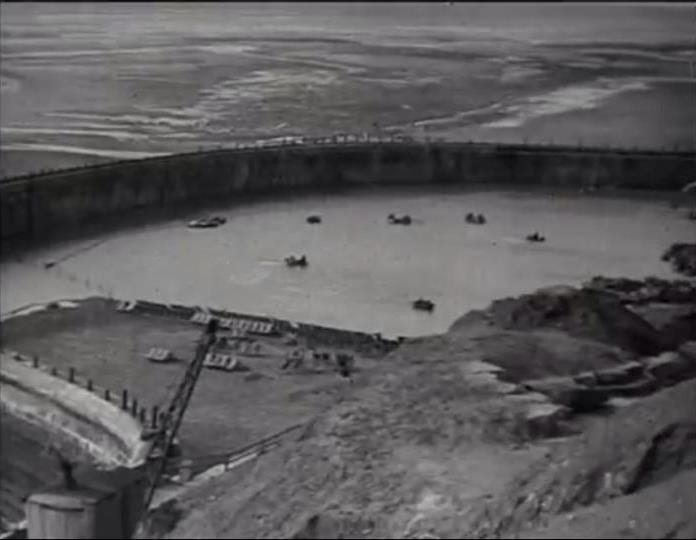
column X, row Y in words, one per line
column 39, row 409
column 430, row 448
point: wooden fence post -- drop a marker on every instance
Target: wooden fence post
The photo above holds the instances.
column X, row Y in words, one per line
column 155, row 416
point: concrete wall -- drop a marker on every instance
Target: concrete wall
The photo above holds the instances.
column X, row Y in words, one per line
column 103, row 430
column 39, row 206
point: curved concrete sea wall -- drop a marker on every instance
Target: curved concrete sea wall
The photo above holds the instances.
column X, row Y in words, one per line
column 39, row 206
column 40, row 409
column 102, row 430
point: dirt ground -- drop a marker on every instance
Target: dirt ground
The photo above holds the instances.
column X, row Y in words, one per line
column 425, row 450
column 626, row 476
column 430, row 441
column 228, row 409
column 400, row 461
column 394, row 458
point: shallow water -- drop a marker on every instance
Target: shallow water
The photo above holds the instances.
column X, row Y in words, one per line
column 363, row 273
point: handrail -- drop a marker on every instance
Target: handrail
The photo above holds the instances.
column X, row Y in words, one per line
column 357, row 141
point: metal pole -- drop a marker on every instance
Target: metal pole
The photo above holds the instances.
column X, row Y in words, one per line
column 155, row 416
column 177, row 408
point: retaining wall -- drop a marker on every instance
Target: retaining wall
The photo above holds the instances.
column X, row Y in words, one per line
column 40, row 408
column 37, row 207
column 97, row 426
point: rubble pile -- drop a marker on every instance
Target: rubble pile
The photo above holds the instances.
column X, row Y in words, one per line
column 652, row 289
column 581, row 313
column 682, row 256
column 634, row 454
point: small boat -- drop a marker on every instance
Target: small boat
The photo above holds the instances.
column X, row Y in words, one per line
column 475, row 219
column 395, row 220
column 535, row 237
column 313, row 219
column 424, row 305
column 293, row 261
column 202, row 223
column 207, row 222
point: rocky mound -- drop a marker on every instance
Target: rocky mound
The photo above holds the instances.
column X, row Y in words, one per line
column 669, row 306
column 676, row 322
column 526, row 356
column 433, row 444
column 642, row 446
column 682, row 256
column 651, row 289
column 581, row 313
column 405, row 459
column 664, row 510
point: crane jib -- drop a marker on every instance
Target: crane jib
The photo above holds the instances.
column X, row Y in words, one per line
column 157, row 457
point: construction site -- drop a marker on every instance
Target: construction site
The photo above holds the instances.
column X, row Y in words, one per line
column 563, row 411
column 457, row 421
column 336, row 270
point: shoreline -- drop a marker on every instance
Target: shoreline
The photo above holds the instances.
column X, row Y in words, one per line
column 254, row 282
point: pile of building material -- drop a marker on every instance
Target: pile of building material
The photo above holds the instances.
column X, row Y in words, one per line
column 160, row 355
column 224, row 362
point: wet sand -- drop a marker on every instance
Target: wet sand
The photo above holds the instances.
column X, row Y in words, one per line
column 81, row 83
column 363, row 273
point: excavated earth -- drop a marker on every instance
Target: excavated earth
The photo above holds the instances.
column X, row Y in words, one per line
column 682, row 256
column 565, row 412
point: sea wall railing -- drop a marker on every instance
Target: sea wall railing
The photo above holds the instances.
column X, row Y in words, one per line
column 361, row 140
column 124, row 398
